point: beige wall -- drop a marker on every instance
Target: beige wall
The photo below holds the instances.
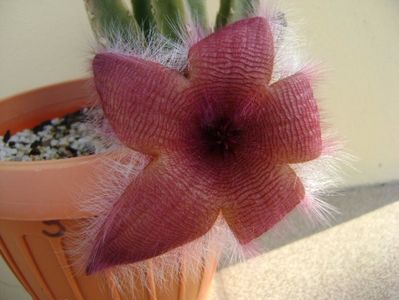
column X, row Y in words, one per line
column 46, row 41
column 42, row 42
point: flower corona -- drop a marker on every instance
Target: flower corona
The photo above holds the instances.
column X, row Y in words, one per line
column 221, row 139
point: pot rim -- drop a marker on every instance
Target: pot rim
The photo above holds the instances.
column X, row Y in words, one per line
column 47, row 189
column 54, row 162
column 51, row 162
column 45, row 87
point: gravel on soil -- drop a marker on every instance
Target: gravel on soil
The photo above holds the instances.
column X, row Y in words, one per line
column 69, row 136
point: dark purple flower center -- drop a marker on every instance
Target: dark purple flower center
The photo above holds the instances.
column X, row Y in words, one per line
column 220, row 137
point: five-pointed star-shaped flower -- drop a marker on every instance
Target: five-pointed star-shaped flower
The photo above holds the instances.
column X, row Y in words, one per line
column 221, row 140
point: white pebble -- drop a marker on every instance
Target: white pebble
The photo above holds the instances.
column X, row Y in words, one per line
column 53, row 140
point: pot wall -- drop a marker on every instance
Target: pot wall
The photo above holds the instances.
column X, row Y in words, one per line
column 34, row 251
column 43, row 190
column 39, row 204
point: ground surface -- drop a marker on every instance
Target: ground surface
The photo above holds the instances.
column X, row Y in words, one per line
column 356, row 259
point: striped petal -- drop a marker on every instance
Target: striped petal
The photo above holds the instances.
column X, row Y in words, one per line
column 142, row 100
column 170, row 204
column 240, row 55
column 289, row 125
column 258, row 197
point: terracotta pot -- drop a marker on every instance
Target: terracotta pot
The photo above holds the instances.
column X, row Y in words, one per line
column 36, row 208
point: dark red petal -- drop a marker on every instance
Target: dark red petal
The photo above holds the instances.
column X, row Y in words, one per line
column 259, row 197
column 170, row 204
column 240, row 54
column 141, row 99
column 289, row 125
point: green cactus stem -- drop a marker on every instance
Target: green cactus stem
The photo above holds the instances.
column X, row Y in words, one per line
column 224, row 14
column 243, row 8
column 198, row 12
column 108, row 16
column 142, row 11
column 169, row 14
column 164, row 16
column 234, row 10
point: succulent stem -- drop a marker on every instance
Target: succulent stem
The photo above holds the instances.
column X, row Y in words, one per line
column 169, row 14
column 198, row 12
column 244, row 8
column 108, row 16
column 233, row 10
column 142, row 11
column 224, row 14
column 111, row 19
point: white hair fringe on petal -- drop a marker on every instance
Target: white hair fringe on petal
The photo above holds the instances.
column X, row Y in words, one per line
column 116, row 171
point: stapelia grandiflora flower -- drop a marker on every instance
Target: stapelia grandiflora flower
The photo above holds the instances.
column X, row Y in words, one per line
column 221, row 140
